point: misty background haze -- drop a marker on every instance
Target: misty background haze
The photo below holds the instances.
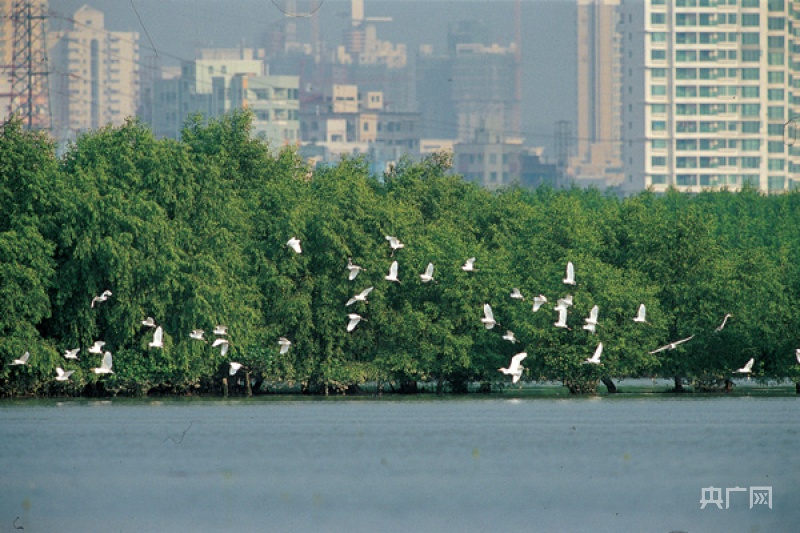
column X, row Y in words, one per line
column 178, row 28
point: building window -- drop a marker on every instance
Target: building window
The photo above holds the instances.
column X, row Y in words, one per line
column 750, row 19
column 658, row 18
column 775, row 112
column 658, row 161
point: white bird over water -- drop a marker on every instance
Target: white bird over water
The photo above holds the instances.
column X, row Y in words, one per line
column 394, row 243
column 197, row 334
column 22, row 360
column 595, row 359
column 149, row 322
column 515, row 367
column 354, row 270
column 748, row 367
column 234, row 368
column 105, row 365
column 102, row 298
column 61, row 375
column 640, row 315
column 354, row 320
column 591, row 320
column 672, row 345
column 220, row 330
column 392, row 273
column 538, row 301
column 509, row 336
column 360, row 297
column 469, row 266
column 488, row 317
column 294, row 244
column 285, row 344
column 221, row 342
column 724, row 320
column 570, row 279
column 158, row 341
column 97, row 347
column 516, row 294
column 562, row 318
column 71, row 354
column 428, row 274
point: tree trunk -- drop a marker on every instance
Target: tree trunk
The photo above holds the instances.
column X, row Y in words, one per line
column 247, row 384
column 612, row 389
column 225, row 387
column 728, row 385
column 678, row 384
column 797, row 387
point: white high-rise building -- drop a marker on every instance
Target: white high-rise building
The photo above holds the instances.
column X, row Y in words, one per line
column 709, row 87
column 94, row 75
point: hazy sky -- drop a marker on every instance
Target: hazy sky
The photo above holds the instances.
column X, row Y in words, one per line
column 178, row 27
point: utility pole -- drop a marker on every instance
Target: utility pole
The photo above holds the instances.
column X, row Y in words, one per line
column 28, row 72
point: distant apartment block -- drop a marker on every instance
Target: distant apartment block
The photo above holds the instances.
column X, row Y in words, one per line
column 708, row 89
column 275, row 105
column 94, row 76
column 599, row 91
column 220, row 80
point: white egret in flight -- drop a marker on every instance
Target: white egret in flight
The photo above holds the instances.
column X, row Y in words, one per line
column 640, row 315
column 748, row 367
column 564, row 303
column 724, row 320
column 71, row 354
column 294, row 244
column 22, row 360
column 672, row 345
column 509, row 336
column 428, row 274
column 395, row 243
column 105, row 365
column 488, row 317
column 392, row 273
column 469, row 266
column 157, row 341
column 220, row 330
column 570, row 279
column 516, row 294
column 538, row 301
column 234, row 368
column 63, row 376
column 285, row 344
column 360, row 297
column 221, row 342
column 515, row 367
column 562, row 318
column 595, row 359
column 97, row 347
column 354, row 320
column 149, row 322
column 197, row 334
column 354, row 269
column 591, row 320
column 102, row 298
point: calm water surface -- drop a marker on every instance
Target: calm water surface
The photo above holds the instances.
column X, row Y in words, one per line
column 458, row 464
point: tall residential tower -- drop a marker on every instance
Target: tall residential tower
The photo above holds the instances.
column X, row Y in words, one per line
column 709, row 86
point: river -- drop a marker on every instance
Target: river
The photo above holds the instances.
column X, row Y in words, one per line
column 474, row 463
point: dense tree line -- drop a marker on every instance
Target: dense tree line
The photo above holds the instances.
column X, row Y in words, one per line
column 194, row 233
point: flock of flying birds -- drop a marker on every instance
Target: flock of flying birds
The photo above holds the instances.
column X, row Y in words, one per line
column 514, row 369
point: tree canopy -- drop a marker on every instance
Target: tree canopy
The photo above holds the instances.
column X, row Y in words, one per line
column 194, row 233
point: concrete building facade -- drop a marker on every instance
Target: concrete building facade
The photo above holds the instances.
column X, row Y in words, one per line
column 709, row 108
column 95, row 75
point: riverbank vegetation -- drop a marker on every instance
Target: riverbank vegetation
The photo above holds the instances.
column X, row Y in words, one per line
column 193, row 233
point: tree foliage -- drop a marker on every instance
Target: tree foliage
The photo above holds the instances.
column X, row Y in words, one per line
column 194, row 234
